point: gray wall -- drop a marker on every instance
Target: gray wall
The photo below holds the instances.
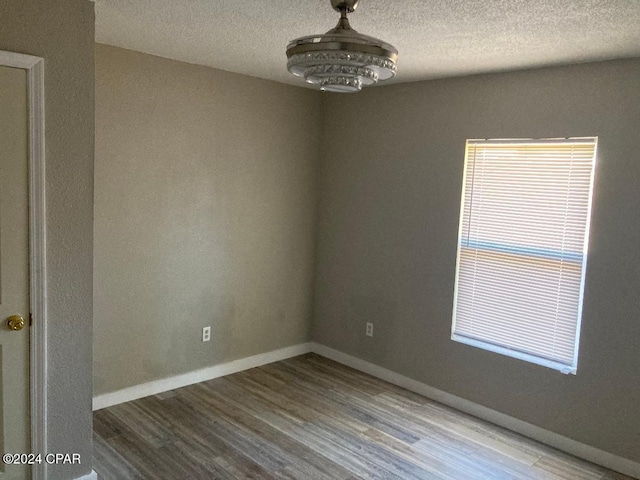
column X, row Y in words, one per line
column 62, row 33
column 391, row 178
column 205, row 202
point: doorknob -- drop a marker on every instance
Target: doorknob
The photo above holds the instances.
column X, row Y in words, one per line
column 15, row 322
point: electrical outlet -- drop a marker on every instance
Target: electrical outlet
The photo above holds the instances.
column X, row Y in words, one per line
column 206, row 334
column 369, row 329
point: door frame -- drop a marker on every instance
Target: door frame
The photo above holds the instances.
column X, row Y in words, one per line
column 34, row 67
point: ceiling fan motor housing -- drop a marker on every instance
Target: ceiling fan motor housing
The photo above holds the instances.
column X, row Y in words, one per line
column 345, row 5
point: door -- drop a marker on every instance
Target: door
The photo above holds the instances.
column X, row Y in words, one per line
column 14, row 271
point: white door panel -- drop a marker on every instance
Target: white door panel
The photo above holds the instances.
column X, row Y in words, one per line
column 14, row 269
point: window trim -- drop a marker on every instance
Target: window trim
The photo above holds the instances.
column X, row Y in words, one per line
column 505, row 350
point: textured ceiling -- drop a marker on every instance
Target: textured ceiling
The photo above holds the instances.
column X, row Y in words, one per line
column 435, row 38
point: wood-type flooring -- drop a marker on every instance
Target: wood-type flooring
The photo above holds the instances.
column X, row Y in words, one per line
column 310, row 418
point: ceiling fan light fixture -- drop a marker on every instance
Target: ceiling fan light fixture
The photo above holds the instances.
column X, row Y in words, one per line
column 342, row 60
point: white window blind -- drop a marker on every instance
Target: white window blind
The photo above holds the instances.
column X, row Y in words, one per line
column 522, row 248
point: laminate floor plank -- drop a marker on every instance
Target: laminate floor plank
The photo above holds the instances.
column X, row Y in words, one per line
column 335, row 377
column 308, row 404
column 104, row 424
column 476, row 434
column 300, row 457
column 310, row 418
column 131, row 418
column 239, row 466
column 433, row 411
column 615, row 476
column 392, row 466
column 348, row 408
column 149, row 460
column 109, row 464
column 570, row 468
column 520, row 470
column 335, row 452
column 270, row 399
column 430, row 463
column 351, row 373
column 414, row 427
column 246, row 400
column 187, row 425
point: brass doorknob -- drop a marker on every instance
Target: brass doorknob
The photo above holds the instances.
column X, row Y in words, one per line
column 15, row 322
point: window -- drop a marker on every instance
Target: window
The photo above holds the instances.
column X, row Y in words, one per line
column 522, row 248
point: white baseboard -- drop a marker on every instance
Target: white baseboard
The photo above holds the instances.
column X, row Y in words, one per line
column 89, row 476
column 158, row 386
column 555, row 440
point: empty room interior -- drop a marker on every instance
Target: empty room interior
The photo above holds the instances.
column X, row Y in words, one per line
column 267, row 258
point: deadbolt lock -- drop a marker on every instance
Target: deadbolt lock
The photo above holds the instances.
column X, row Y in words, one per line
column 15, row 322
